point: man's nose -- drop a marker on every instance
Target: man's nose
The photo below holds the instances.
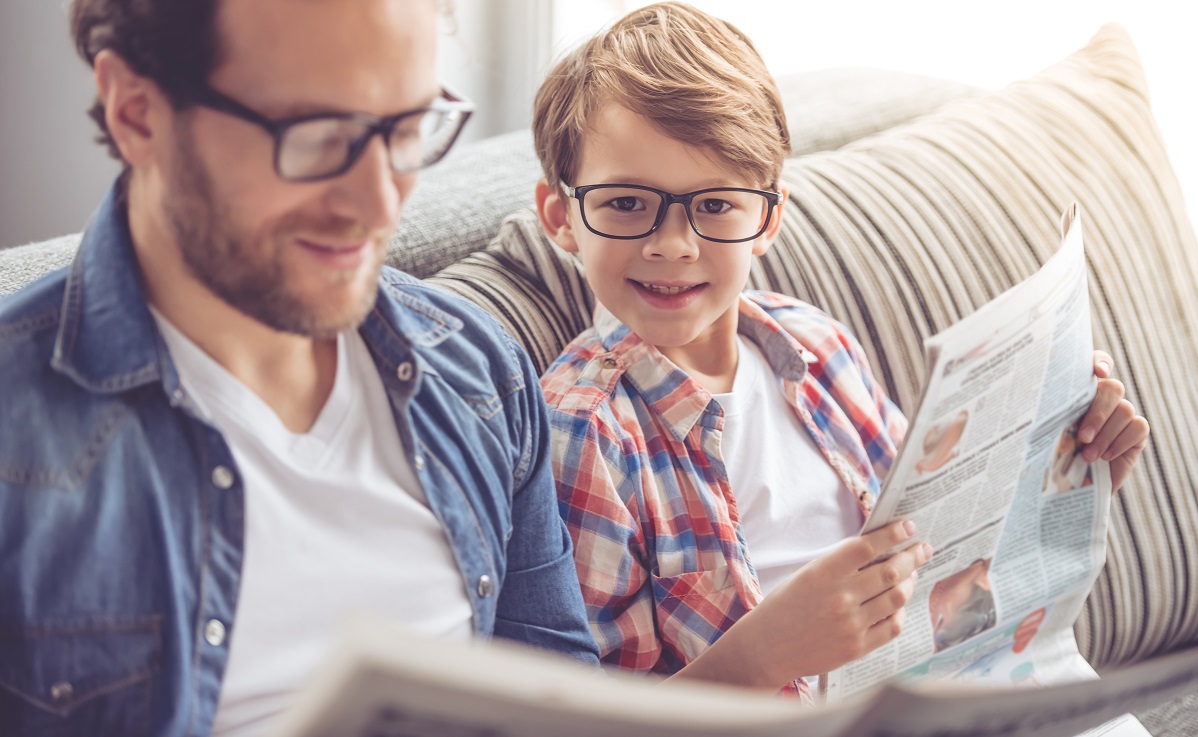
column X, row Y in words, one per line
column 674, row 239
column 370, row 192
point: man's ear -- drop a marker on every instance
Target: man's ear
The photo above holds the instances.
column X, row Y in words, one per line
column 130, row 102
column 763, row 243
column 555, row 217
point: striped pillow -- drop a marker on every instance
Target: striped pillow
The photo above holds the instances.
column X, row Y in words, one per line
column 902, row 233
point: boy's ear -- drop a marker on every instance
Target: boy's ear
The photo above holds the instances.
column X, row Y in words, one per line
column 554, row 216
column 763, row 243
column 130, row 102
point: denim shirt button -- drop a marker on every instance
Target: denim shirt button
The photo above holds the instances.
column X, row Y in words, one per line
column 222, row 477
column 419, row 463
column 486, row 586
column 214, row 632
column 61, row 692
column 404, row 372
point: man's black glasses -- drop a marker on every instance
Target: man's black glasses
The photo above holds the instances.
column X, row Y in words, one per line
column 321, row 146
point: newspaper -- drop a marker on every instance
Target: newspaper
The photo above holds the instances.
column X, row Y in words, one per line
column 991, row 474
column 389, row 682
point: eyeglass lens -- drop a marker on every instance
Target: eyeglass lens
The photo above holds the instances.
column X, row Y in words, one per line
column 321, row 146
column 720, row 214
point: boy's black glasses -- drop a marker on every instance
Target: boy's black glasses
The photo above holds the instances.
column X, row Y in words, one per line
column 321, row 146
column 630, row 211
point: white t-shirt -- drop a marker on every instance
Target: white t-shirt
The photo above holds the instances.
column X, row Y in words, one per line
column 336, row 522
column 793, row 507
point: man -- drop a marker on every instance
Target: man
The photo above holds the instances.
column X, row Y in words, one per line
column 225, row 425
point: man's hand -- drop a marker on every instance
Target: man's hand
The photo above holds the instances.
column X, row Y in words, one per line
column 1111, row 428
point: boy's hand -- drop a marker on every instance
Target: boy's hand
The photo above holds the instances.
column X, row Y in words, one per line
column 838, row 607
column 1111, row 428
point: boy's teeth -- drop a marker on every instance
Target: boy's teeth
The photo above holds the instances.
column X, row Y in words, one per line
column 664, row 290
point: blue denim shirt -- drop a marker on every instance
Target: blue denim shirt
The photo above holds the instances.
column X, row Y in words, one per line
column 122, row 514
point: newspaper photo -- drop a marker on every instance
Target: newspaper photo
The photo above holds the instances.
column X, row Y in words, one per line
column 991, row 472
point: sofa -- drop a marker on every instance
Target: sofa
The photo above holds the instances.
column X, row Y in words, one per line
column 913, row 202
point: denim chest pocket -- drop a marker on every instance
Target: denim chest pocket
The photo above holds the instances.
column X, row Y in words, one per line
column 79, row 678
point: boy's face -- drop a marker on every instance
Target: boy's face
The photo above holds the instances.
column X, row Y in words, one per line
column 673, row 288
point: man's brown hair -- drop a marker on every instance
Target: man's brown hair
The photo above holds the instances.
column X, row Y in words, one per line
column 175, row 43
column 696, row 78
column 172, row 42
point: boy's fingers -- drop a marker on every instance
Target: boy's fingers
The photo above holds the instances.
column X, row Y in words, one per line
column 1133, row 435
column 1122, row 465
column 1103, row 364
column 1118, row 418
column 862, row 551
column 896, row 570
column 888, row 602
column 885, row 630
column 1108, row 396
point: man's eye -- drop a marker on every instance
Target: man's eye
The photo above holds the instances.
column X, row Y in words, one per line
column 407, row 131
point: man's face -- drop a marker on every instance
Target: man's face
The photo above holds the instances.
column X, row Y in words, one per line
column 298, row 257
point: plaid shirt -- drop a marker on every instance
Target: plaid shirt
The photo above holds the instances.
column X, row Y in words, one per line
column 661, row 559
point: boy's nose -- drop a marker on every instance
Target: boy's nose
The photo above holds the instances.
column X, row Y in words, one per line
column 674, row 239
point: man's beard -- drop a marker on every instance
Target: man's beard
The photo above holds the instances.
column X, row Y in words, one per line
column 248, row 273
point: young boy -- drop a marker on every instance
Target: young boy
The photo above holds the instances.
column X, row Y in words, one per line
column 695, row 423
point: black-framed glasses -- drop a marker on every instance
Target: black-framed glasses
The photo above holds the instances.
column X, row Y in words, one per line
column 324, row 145
column 631, row 211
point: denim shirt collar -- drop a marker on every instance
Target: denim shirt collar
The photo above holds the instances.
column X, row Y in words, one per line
column 107, row 340
column 399, row 316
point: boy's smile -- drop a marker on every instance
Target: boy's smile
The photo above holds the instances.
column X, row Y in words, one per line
column 668, row 295
column 675, row 289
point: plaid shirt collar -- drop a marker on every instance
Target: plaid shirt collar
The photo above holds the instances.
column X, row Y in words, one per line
column 655, row 377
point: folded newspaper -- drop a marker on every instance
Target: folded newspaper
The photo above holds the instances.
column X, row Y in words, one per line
column 992, row 475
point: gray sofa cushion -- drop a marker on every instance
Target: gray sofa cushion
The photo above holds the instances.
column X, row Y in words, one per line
column 1177, row 718
column 21, row 265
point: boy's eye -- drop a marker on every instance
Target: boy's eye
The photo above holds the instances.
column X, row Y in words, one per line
column 712, row 207
column 626, row 204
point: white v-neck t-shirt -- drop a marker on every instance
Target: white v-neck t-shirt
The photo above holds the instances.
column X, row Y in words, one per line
column 336, row 522
column 793, row 507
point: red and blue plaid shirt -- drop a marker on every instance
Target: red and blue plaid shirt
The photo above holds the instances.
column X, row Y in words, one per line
column 661, row 559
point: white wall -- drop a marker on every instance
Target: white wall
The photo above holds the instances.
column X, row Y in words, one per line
column 52, row 175
column 495, row 54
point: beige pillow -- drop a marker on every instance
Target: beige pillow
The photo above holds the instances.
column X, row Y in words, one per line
column 901, row 233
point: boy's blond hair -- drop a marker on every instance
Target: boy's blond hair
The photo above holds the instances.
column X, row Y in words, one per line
column 696, row 78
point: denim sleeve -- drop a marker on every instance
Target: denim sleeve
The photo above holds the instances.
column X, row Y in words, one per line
column 540, row 602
